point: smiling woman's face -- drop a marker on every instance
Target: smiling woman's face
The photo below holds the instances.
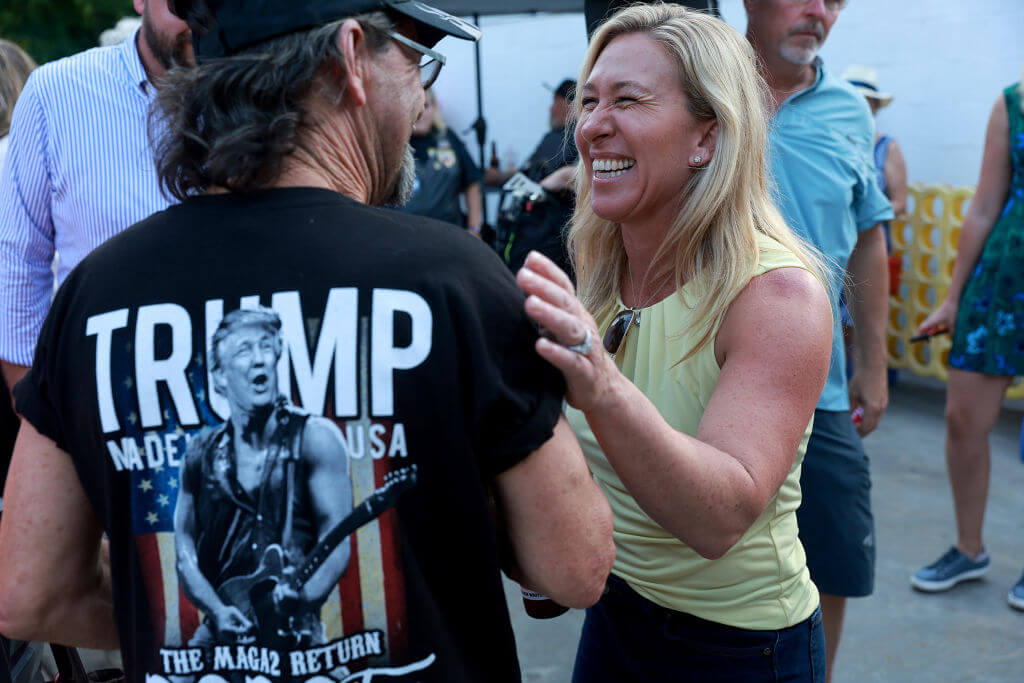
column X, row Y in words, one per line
column 635, row 132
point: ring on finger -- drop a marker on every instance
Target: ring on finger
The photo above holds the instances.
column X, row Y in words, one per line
column 584, row 347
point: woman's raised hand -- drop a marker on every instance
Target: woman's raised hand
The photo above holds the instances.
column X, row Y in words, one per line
column 567, row 330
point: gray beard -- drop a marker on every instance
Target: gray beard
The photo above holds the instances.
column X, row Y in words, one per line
column 404, row 182
column 801, row 57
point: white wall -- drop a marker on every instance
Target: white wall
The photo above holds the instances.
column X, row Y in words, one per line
column 519, row 53
column 944, row 60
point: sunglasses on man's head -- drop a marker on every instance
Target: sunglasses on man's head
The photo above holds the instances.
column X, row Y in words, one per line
column 616, row 333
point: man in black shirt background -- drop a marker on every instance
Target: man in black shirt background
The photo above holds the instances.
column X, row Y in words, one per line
column 555, row 150
column 537, row 223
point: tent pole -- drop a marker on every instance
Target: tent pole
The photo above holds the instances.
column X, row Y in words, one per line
column 480, row 125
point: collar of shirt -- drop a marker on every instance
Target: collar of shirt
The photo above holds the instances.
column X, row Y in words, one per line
column 821, row 144
column 819, row 76
column 135, row 72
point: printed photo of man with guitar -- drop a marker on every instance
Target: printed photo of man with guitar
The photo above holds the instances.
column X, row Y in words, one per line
column 348, row 536
column 265, row 507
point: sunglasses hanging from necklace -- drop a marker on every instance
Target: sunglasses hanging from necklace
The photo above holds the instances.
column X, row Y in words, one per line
column 621, row 323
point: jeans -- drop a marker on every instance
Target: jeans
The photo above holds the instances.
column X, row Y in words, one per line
column 628, row 638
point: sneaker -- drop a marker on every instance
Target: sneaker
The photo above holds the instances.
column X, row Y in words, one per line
column 1016, row 596
column 951, row 569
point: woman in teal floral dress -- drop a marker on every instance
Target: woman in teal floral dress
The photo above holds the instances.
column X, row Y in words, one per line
column 984, row 311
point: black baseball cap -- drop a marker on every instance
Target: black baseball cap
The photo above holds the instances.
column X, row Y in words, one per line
column 566, row 89
column 225, row 27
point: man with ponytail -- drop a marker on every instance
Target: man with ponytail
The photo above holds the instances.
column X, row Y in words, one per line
column 189, row 372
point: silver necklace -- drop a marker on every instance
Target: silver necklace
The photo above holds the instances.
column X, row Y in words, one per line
column 620, row 324
column 636, row 293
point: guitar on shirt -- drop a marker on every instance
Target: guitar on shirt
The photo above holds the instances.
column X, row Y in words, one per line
column 253, row 594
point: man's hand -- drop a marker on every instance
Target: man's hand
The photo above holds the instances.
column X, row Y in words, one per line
column 869, row 391
column 868, row 270
column 562, row 180
column 287, row 600
column 231, row 625
column 496, row 176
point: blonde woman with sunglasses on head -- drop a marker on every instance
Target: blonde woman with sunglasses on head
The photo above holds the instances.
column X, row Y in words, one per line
column 716, row 327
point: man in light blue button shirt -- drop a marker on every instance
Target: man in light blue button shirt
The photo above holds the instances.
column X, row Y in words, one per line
column 79, row 168
column 821, row 154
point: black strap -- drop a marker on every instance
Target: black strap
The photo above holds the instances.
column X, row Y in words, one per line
column 69, row 664
column 5, row 660
column 297, row 426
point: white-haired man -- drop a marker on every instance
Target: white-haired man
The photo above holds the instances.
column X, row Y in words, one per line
column 822, row 140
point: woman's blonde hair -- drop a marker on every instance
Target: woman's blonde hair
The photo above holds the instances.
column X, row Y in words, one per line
column 438, row 124
column 15, row 66
column 713, row 240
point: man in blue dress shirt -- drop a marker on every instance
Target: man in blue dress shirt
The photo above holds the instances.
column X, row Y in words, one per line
column 822, row 139
column 79, row 168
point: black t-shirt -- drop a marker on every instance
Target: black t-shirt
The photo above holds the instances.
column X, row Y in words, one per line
column 555, row 150
column 525, row 226
column 443, row 170
column 413, row 380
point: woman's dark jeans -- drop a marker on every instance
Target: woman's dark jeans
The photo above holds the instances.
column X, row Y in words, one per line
column 628, row 638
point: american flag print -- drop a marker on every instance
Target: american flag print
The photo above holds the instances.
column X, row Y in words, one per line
column 368, row 600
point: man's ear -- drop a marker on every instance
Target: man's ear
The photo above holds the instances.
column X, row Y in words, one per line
column 354, row 49
column 139, row 5
column 219, row 383
column 706, row 146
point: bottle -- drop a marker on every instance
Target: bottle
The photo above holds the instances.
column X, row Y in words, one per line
column 541, row 606
column 495, row 163
column 857, row 415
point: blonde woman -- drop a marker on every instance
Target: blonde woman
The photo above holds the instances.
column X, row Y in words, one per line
column 15, row 66
column 444, row 170
column 716, row 328
column 984, row 311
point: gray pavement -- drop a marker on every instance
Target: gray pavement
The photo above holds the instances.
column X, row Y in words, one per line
column 897, row 634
